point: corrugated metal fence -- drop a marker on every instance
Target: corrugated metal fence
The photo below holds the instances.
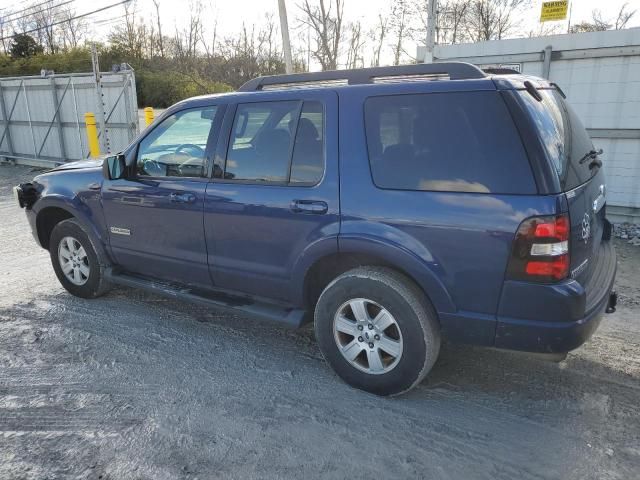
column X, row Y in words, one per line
column 42, row 118
column 600, row 74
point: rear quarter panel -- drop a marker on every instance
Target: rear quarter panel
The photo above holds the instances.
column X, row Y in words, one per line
column 455, row 245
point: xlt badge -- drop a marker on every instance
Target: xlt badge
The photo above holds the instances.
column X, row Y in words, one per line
column 120, row 231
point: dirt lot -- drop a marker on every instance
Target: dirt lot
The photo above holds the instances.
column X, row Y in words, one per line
column 136, row 386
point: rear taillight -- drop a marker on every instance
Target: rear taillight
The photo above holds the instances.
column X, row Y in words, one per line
column 540, row 250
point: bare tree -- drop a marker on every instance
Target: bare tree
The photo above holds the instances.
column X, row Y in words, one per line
column 187, row 39
column 401, row 13
column 452, row 15
column 73, row 30
column 44, row 18
column 623, row 17
column 4, row 30
column 378, row 35
column 355, row 58
column 269, row 51
column 252, row 53
column 132, row 37
column 546, row 28
column 325, row 23
column 599, row 24
column 160, row 41
column 493, row 19
column 210, row 48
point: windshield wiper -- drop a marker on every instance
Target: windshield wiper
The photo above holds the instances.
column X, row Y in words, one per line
column 590, row 154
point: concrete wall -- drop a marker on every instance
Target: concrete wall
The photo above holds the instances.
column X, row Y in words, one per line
column 600, row 74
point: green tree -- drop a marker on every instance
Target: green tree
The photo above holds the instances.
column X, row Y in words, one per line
column 23, row 46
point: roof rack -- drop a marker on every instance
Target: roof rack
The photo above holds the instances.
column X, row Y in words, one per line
column 420, row 71
column 500, row 71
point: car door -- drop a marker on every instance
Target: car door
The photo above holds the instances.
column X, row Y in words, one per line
column 154, row 216
column 273, row 202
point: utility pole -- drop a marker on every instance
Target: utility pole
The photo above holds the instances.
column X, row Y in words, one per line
column 432, row 8
column 286, row 44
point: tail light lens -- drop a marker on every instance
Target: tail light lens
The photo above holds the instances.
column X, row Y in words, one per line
column 540, row 251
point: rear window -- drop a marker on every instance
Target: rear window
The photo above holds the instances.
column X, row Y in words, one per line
column 461, row 142
column 564, row 137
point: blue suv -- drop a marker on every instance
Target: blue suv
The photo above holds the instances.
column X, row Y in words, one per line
column 393, row 207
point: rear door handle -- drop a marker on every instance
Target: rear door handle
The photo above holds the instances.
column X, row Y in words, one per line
column 177, row 197
column 309, row 206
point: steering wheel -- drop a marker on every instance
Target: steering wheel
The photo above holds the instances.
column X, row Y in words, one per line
column 191, row 149
column 196, row 154
column 154, row 168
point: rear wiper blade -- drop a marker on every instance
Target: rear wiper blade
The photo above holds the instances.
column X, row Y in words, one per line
column 590, row 154
column 595, row 163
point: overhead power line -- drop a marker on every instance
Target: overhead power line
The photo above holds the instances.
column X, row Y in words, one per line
column 39, row 11
column 69, row 19
column 25, row 9
column 117, row 17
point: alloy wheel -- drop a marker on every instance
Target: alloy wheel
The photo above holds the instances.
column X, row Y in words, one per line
column 368, row 336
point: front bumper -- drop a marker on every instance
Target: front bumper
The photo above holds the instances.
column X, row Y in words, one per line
column 26, row 195
column 18, row 196
column 571, row 314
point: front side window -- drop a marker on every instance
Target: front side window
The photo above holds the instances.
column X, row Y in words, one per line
column 176, row 147
column 277, row 142
column 458, row 142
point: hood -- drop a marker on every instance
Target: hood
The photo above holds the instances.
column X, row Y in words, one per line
column 88, row 163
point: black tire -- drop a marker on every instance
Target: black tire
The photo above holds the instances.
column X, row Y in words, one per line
column 412, row 311
column 95, row 284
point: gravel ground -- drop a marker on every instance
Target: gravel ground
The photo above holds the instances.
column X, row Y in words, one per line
column 135, row 386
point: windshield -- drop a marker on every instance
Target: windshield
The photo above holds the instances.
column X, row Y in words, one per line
column 564, row 137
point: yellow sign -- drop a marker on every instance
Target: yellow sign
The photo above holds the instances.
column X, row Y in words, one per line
column 552, row 11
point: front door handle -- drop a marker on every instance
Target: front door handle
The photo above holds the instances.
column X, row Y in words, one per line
column 309, row 206
column 177, row 197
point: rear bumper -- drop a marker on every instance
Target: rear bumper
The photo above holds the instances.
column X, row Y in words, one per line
column 570, row 314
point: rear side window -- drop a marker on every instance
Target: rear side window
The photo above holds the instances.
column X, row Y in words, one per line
column 564, row 138
column 307, row 164
column 461, row 142
column 277, row 142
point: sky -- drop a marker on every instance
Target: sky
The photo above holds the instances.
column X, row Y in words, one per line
column 231, row 14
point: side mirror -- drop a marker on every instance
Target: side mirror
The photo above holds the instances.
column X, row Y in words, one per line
column 114, row 167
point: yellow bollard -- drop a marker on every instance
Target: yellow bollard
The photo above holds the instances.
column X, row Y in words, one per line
column 92, row 134
column 148, row 116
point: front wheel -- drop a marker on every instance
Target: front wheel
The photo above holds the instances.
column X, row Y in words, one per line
column 75, row 261
column 377, row 330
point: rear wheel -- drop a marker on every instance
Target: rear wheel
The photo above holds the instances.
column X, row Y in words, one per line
column 377, row 330
column 75, row 261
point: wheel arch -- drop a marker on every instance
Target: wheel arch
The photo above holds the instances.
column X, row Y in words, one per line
column 46, row 220
column 358, row 253
column 51, row 211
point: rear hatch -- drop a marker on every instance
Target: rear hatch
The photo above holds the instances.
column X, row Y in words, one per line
column 579, row 169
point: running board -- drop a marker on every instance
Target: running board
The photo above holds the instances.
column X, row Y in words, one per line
column 289, row 317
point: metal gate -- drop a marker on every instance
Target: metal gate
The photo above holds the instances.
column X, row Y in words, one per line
column 42, row 117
